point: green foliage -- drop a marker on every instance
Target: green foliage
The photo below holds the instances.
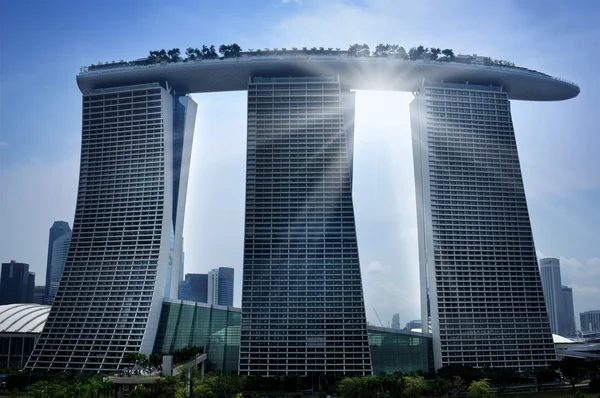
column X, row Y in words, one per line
column 479, row 389
column 140, row 391
column 442, row 387
column 575, row 370
column 357, row 387
column 170, row 387
column 392, row 384
column 219, row 385
column 203, row 391
column 415, row 386
column 502, row 378
column 545, row 376
column 230, row 51
column 135, row 358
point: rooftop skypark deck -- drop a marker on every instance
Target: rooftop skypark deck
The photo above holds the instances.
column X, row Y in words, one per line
column 356, row 73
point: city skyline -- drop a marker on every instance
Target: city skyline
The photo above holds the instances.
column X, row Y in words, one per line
column 379, row 207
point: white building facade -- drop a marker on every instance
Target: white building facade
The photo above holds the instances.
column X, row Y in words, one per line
column 123, row 257
column 477, row 258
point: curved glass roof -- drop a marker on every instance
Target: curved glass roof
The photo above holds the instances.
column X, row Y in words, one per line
column 23, row 318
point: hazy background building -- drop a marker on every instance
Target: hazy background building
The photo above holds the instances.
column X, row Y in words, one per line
column 590, row 321
column 60, row 249
column 220, row 286
column 39, row 293
column 58, row 229
column 558, row 298
column 396, row 322
column 194, row 288
column 16, row 283
column 568, row 325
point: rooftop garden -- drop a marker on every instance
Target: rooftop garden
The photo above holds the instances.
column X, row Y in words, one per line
column 227, row 51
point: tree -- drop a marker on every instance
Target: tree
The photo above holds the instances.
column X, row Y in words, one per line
column 502, row 378
column 401, row 53
column 212, row 52
column 171, row 387
column 391, row 384
column 235, row 50
column 479, row 389
column 442, row 387
column 356, row 387
column 545, row 376
column 435, row 52
column 140, row 391
column 173, row 55
column 382, row 50
column 224, row 50
column 466, row 373
column 415, row 386
column 573, row 369
column 358, row 50
column 448, row 54
column 203, row 391
column 413, row 54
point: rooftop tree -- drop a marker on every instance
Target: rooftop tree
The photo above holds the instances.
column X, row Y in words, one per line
column 174, row 55
column 448, row 54
column 359, row 50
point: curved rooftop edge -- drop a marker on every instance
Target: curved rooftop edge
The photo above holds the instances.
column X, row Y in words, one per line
column 23, row 318
column 203, row 76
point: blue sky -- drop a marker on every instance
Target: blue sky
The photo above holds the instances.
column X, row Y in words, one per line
column 43, row 44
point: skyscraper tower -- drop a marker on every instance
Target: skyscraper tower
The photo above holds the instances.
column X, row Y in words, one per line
column 58, row 229
column 124, row 253
column 220, row 286
column 60, row 248
column 553, row 295
column 302, row 301
column 16, row 283
column 396, row 321
column 477, row 258
column 569, row 329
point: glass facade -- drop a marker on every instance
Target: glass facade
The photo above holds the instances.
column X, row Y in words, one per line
column 217, row 329
column 15, row 349
column 398, row 351
column 477, row 257
column 302, row 298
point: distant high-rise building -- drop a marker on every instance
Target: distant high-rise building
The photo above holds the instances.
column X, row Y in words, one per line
column 194, row 288
column 396, row 321
column 590, row 321
column 558, row 298
column 16, row 283
column 60, row 248
column 477, row 258
column 38, row 294
column 416, row 324
column 220, row 286
column 568, row 324
column 553, row 295
column 58, row 229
